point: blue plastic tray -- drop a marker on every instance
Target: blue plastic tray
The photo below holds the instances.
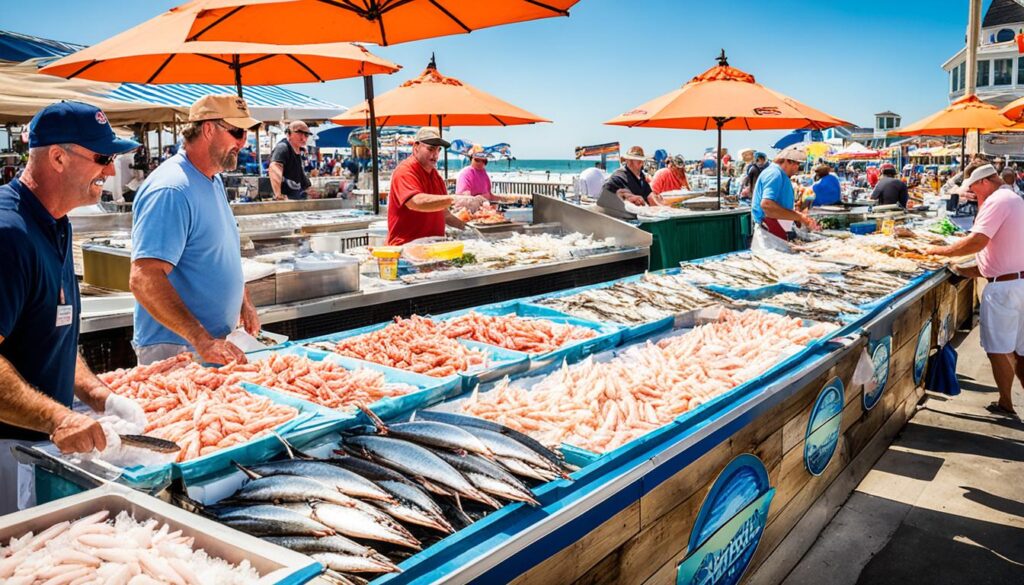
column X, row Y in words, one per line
column 608, row 334
column 431, row 390
column 501, row 362
column 310, row 418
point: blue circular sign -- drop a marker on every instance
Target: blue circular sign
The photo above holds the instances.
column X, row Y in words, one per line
column 880, row 376
column 924, row 346
column 822, row 434
column 729, row 525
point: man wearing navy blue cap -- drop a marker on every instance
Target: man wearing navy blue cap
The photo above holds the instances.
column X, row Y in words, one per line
column 71, row 153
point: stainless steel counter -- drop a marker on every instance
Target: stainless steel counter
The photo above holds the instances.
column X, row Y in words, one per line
column 290, row 311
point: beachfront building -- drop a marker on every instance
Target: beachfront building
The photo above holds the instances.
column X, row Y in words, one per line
column 1000, row 73
column 878, row 136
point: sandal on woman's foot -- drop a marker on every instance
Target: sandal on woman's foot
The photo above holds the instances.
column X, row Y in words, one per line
column 996, row 408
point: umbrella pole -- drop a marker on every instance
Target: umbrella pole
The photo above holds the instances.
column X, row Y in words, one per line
column 259, row 155
column 963, row 151
column 236, row 65
column 439, row 125
column 368, row 90
column 718, row 155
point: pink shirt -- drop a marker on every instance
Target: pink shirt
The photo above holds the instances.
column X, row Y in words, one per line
column 1001, row 218
column 473, row 182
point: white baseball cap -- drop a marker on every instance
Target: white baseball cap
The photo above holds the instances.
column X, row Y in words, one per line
column 982, row 172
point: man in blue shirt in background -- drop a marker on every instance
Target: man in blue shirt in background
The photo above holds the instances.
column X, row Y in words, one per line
column 773, row 199
column 71, row 154
column 186, row 262
column 826, row 186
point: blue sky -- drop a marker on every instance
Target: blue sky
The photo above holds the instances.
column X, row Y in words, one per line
column 848, row 58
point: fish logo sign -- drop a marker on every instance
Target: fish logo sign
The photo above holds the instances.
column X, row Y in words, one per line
column 768, row 111
column 636, row 113
column 101, row 118
column 729, row 525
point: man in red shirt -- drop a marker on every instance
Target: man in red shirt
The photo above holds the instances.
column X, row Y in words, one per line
column 672, row 177
column 418, row 201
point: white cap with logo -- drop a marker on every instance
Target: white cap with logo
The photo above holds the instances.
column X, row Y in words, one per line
column 982, row 172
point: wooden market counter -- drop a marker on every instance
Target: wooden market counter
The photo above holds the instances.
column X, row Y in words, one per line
column 633, row 521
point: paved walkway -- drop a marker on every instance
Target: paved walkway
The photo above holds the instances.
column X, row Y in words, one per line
column 944, row 504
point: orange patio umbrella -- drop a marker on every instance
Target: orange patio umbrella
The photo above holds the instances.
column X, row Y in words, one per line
column 382, row 22
column 433, row 99
column 222, row 63
column 965, row 114
column 725, row 98
column 156, row 52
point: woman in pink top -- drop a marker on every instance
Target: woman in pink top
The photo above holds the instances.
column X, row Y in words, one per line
column 997, row 238
column 473, row 180
column 672, row 177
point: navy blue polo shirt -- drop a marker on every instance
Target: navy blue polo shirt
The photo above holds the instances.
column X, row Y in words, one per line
column 37, row 274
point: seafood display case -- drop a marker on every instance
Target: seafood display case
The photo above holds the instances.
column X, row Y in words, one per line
column 273, row 564
column 730, row 375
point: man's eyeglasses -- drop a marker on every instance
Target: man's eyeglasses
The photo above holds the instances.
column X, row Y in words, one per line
column 481, row 160
column 303, row 132
column 100, row 159
column 235, row 132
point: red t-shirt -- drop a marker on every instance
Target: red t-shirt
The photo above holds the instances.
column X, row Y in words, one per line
column 404, row 224
column 666, row 180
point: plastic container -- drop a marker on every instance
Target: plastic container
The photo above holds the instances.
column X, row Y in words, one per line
column 863, row 227
column 387, row 261
column 377, row 233
column 435, row 251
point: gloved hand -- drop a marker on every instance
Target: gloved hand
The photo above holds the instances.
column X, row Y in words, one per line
column 125, row 409
column 469, row 202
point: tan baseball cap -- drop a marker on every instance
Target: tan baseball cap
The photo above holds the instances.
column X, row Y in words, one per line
column 431, row 136
column 230, row 108
column 794, row 153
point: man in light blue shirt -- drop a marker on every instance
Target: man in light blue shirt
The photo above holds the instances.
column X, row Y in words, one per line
column 186, row 265
column 773, row 198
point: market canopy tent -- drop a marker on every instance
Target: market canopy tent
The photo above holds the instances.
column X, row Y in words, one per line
column 382, row 22
column 963, row 115
column 725, row 98
column 432, row 99
column 24, row 91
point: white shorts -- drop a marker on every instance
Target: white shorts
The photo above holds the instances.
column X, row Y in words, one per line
column 1002, row 317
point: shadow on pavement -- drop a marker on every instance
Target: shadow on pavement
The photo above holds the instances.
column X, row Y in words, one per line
column 992, row 419
column 921, row 437
column 999, row 503
column 912, row 465
column 976, row 386
column 944, row 549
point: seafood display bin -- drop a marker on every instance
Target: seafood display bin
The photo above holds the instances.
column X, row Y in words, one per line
column 276, row 565
column 701, row 234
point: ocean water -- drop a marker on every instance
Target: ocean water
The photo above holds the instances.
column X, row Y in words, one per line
column 561, row 166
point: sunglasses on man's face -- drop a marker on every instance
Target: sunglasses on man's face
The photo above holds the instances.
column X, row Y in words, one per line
column 481, row 160
column 100, row 159
column 233, row 131
column 303, row 133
